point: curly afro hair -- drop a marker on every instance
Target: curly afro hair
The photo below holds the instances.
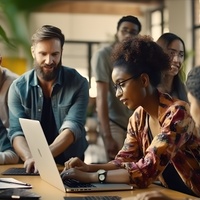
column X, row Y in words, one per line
column 141, row 55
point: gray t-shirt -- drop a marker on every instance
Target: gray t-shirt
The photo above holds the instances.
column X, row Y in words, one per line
column 102, row 71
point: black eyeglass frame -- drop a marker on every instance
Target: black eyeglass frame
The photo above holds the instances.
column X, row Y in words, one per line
column 119, row 85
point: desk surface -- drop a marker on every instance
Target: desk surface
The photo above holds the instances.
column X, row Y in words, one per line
column 48, row 192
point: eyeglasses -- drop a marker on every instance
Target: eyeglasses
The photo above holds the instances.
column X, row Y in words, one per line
column 131, row 32
column 172, row 53
column 120, row 85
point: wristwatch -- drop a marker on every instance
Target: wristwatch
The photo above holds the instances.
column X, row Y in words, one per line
column 102, row 175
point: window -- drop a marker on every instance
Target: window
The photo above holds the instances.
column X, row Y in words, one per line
column 158, row 22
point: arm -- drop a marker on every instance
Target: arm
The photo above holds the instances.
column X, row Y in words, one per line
column 113, row 176
column 103, row 116
column 72, row 127
column 152, row 160
column 15, row 133
column 21, row 147
column 8, row 157
column 62, row 141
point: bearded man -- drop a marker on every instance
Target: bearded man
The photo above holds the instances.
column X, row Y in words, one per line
column 55, row 95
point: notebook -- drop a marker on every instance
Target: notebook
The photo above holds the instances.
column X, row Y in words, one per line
column 47, row 167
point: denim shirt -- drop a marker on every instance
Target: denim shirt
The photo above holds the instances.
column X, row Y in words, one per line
column 69, row 100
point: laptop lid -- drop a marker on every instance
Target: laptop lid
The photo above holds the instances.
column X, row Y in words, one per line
column 45, row 162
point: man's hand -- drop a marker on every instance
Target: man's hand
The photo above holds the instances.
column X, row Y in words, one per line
column 29, row 164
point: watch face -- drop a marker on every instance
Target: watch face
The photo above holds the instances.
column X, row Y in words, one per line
column 101, row 177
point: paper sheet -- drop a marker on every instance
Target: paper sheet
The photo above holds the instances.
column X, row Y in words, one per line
column 4, row 185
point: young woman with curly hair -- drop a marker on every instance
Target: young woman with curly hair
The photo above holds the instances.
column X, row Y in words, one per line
column 161, row 141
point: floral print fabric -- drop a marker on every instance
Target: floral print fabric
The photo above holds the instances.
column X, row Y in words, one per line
column 178, row 142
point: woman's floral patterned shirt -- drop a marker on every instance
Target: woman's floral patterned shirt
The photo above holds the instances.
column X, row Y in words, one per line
column 178, row 142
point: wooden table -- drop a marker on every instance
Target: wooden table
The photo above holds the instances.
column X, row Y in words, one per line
column 48, row 192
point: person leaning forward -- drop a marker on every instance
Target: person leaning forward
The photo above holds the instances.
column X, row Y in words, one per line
column 55, row 95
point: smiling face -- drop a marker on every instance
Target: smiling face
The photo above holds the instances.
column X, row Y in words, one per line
column 131, row 92
column 175, row 50
column 47, row 58
column 194, row 109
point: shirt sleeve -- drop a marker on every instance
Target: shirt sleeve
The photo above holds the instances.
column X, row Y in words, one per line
column 101, row 64
column 145, row 162
column 76, row 116
column 8, row 157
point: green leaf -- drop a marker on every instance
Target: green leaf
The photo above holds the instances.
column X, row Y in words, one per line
column 4, row 37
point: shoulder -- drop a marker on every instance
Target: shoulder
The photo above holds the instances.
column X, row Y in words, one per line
column 174, row 112
column 104, row 50
column 71, row 75
column 138, row 117
column 25, row 78
column 70, row 72
column 9, row 75
column 166, row 102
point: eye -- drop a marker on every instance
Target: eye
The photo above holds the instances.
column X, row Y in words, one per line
column 181, row 55
column 172, row 53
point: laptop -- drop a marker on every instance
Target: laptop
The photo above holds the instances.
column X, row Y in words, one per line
column 47, row 167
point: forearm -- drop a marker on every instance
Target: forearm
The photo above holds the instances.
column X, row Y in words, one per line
column 62, row 142
column 106, row 166
column 21, row 148
column 113, row 176
column 103, row 117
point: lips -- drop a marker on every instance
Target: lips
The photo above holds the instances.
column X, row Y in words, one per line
column 48, row 66
column 124, row 101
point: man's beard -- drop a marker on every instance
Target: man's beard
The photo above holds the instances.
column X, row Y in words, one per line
column 47, row 76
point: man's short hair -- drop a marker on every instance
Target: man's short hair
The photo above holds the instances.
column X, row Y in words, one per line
column 130, row 18
column 48, row 32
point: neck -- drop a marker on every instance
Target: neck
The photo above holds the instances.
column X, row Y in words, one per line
column 152, row 104
column 46, row 87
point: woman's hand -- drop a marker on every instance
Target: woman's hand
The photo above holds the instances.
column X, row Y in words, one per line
column 76, row 163
column 79, row 175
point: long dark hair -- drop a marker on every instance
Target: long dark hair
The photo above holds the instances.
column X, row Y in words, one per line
column 178, row 83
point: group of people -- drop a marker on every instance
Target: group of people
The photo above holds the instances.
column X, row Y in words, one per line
column 150, row 131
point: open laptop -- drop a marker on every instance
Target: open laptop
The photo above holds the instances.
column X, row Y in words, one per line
column 46, row 165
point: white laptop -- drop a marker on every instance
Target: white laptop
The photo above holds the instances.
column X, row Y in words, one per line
column 46, row 165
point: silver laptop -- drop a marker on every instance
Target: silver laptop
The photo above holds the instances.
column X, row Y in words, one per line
column 46, row 165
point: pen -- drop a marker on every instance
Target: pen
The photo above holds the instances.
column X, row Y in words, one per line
column 17, row 183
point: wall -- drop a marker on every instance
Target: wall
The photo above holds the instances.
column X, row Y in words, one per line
column 180, row 23
column 91, row 27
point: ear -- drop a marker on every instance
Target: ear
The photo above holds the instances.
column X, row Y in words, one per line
column 33, row 52
column 144, row 80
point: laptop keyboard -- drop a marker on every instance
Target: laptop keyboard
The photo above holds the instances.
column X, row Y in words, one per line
column 102, row 198
column 76, row 184
column 94, row 198
column 18, row 171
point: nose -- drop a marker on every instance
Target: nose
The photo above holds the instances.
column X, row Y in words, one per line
column 118, row 93
column 176, row 58
column 49, row 60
